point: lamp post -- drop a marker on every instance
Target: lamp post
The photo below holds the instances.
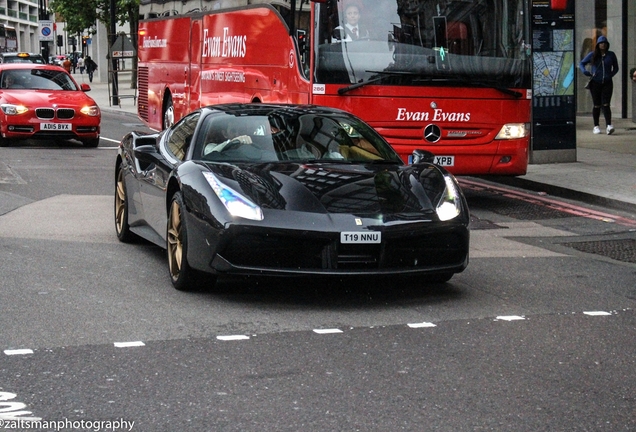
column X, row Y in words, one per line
column 43, row 15
column 111, row 41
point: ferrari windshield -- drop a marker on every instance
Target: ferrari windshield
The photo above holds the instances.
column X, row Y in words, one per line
column 424, row 42
column 290, row 135
column 36, row 79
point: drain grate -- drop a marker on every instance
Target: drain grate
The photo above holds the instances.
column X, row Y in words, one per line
column 620, row 250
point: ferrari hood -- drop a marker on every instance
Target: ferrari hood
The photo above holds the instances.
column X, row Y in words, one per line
column 336, row 188
column 37, row 98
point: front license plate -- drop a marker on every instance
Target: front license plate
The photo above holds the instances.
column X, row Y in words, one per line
column 361, row 237
column 56, row 126
column 444, row 160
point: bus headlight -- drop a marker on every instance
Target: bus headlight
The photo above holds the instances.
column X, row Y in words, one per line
column 513, row 131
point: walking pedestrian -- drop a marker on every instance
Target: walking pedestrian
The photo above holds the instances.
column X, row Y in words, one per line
column 603, row 66
column 66, row 64
column 91, row 67
column 80, row 65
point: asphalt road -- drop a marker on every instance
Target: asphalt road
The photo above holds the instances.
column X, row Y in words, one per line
column 534, row 335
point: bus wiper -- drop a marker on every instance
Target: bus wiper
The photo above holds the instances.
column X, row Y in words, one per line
column 381, row 76
column 384, row 74
column 469, row 83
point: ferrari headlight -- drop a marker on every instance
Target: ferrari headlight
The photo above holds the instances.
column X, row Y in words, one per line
column 233, row 201
column 92, row 110
column 513, row 131
column 11, row 109
column 450, row 204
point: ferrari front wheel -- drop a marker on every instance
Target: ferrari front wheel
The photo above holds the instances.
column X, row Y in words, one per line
column 181, row 274
column 121, row 209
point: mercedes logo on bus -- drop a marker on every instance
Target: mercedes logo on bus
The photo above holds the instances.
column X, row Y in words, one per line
column 432, row 133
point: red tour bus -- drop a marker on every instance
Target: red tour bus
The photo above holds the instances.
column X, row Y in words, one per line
column 452, row 77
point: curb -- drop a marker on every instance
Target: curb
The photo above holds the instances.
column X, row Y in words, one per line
column 561, row 192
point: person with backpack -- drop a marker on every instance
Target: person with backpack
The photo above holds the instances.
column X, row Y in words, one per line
column 91, row 67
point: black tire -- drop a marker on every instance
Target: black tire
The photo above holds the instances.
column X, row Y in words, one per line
column 121, row 209
column 168, row 113
column 91, row 143
column 184, row 278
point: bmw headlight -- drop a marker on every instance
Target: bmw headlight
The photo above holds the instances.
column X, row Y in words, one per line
column 513, row 131
column 11, row 109
column 233, row 201
column 92, row 110
column 449, row 206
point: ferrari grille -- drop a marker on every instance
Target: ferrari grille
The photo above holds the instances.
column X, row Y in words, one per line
column 319, row 253
column 51, row 113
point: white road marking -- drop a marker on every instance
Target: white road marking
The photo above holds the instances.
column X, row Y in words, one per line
column 327, row 331
column 18, row 351
column 421, row 325
column 129, row 344
column 597, row 313
column 232, row 337
column 510, row 318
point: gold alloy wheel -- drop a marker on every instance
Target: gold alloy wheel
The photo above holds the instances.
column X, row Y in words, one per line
column 175, row 244
column 120, row 202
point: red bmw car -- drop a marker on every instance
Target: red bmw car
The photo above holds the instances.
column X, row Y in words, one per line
column 44, row 101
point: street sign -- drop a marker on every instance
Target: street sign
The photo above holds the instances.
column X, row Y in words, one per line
column 45, row 30
column 122, row 47
column 123, row 54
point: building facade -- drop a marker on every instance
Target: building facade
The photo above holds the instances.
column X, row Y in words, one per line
column 23, row 16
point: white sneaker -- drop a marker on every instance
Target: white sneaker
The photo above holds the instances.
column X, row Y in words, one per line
column 597, row 130
column 610, row 129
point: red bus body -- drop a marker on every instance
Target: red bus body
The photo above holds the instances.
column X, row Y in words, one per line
column 252, row 54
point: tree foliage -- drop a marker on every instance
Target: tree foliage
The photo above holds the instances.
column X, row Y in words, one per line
column 81, row 16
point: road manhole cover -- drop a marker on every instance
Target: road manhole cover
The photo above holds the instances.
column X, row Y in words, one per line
column 620, row 250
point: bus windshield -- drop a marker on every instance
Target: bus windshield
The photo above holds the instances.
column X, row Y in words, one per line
column 474, row 43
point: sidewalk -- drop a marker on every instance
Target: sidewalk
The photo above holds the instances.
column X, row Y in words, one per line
column 604, row 173
column 100, row 92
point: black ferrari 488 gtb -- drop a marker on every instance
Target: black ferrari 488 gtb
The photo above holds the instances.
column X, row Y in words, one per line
column 287, row 190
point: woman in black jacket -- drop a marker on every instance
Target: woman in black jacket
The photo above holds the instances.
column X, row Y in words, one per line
column 603, row 66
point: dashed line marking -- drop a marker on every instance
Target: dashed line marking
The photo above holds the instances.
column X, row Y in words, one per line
column 25, row 351
column 129, row 344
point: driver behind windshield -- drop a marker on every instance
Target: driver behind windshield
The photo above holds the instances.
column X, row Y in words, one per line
column 236, row 131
